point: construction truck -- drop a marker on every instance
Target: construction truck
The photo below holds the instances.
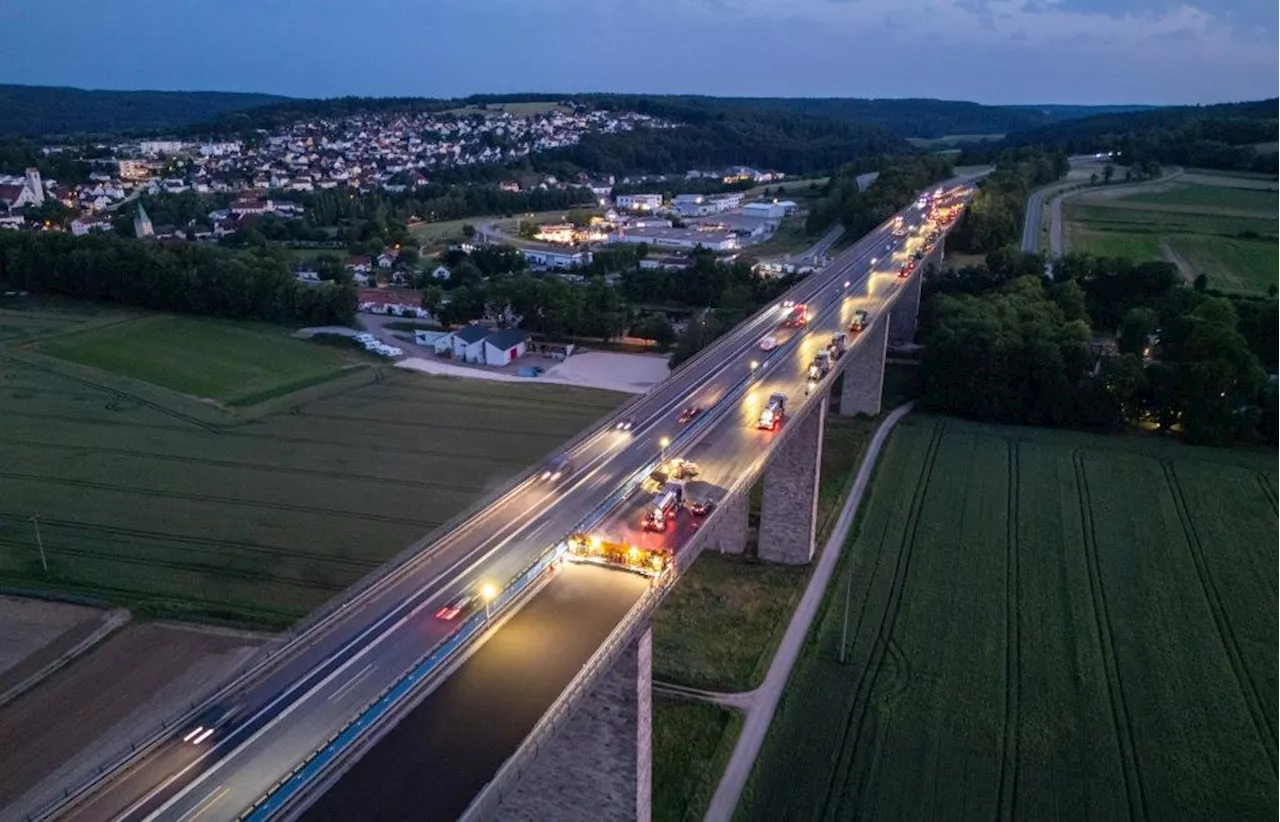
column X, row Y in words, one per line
column 837, row 345
column 773, row 414
column 798, row 318
column 648, row 561
column 664, row 506
column 821, row 365
column 859, row 321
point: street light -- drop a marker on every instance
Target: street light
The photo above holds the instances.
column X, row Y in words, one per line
column 754, row 366
column 663, row 443
column 488, row 592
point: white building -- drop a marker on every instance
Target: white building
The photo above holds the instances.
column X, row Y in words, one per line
column 552, row 258
column 153, row 148
column 639, row 202
column 503, row 347
column 769, row 212
column 712, row 239
column 220, row 149
column 561, row 233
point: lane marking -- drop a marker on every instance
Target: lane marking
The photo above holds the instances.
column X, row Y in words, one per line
column 208, row 802
column 351, row 683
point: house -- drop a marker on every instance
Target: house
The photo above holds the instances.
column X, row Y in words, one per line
column 509, row 185
column 503, row 347
column 247, row 206
column 307, row 275
column 387, row 259
column 639, row 202
column 83, row 225
column 361, row 264
column 427, row 339
column 561, row 233
column 19, row 195
column 466, row 344
column 556, row 259
column 441, row 273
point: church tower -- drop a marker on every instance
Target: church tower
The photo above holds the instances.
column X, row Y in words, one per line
column 142, row 223
column 36, row 186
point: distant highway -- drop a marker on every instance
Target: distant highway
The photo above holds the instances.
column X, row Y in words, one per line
column 219, row 764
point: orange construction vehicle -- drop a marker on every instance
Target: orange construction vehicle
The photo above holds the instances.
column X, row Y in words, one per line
column 647, row 561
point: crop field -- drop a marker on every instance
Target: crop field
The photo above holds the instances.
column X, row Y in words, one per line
column 174, row 506
column 1040, row 625
column 1235, row 247
column 1211, row 196
column 223, row 361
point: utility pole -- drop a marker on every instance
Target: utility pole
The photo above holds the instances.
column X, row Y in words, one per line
column 35, row 521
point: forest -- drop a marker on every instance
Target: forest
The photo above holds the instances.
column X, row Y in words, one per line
column 1003, row 344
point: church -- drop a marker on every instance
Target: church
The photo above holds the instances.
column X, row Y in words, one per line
column 17, row 193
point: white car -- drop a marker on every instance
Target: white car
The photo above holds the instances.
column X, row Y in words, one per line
column 768, row 343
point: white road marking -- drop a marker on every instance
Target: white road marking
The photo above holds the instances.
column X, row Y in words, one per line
column 208, row 802
column 355, row 680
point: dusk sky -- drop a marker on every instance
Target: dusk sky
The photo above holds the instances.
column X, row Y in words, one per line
column 990, row 51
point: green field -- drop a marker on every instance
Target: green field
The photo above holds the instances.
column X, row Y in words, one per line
column 1197, row 242
column 1043, row 625
column 948, row 140
column 223, row 361
column 692, row 742
column 1240, row 199
column 175, row 506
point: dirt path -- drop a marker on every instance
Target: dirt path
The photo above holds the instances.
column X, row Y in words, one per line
column 1055, row 207
column 1184, row 268
column 765, row 698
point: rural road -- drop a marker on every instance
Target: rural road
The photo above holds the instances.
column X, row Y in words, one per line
column 765, row 698
column 1055, row 206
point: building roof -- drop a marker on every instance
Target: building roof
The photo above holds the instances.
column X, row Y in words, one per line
column 509, row 338
column 472, row 334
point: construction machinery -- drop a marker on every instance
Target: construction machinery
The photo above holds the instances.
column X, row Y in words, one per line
column 593, row 549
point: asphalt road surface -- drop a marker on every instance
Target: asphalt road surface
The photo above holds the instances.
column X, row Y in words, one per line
column 273, row 722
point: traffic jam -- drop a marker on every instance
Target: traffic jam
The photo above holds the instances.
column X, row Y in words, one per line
column 644, row 534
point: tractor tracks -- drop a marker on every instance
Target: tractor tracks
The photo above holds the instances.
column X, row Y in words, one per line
column 1131, row 772
column 848, row 748
column 1008, row 791
column 1226, row 635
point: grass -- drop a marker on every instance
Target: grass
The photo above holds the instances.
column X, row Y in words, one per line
column 445, row 230
column 1232, row 264
column 1240, row 199
column 788, row 239
column 1043, row 625
column 203, row 358
column 1206, row 243
column 692, row 742
column 172, row 506
column 948, row 140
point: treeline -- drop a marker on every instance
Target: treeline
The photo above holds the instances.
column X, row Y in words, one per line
column 17, row 155
column 995, row 215
column 1219, row 136
column 183, row 277
column 901, row 180
column 40, row 110
column 1003, row 344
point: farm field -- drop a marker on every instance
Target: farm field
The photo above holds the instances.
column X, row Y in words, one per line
column 1043, row 625
column 1226, row 232
column 175, row 507
column 692, row 742
column 224, row 361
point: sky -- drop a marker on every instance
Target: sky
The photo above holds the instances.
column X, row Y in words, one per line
column 988, row 51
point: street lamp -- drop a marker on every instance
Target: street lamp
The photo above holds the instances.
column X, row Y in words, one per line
column 488, row 592
column 754, row 366
column 663, row 443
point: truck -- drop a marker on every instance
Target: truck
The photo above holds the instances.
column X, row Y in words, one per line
column 820, row 366
column 837, row 345
column 773, row 414
column 798, row 318
column 647, row 561
column 663, row 507
column 859, row 321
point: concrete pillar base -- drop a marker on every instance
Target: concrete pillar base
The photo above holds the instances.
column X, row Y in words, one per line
column 904, row 311
column 727, row 533
column 789, row 515
column 599, row 764
column 864, row 371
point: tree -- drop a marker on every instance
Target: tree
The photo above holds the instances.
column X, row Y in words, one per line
column 432, row 299
column 1137, row 325
column 468, row 230
column 1093, row 179
column 1108, row 171
column 1201, row 283
column 654, row 327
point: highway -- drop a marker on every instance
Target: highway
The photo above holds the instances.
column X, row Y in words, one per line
column 309, row 692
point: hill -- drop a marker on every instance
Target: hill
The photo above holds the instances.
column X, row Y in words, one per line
column 41, row 110
column 1217, row 136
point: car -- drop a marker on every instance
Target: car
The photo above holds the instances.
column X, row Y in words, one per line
column 688, row 414
column 788, row 304
column 888, row 246
column 210, row 721
column 768, row 343
column 559, row 466
column 457, row 607
column 625, row 424
column 702, row 508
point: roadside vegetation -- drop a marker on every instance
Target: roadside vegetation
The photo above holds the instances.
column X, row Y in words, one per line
column 692, row 742
column 1023, row 605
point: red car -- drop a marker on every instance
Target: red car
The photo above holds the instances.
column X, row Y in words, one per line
column 456, row 607
column 688, row 414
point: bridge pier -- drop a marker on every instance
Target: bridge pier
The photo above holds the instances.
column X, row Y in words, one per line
column 864, row 371
column 599, row 763
column 904, row 312
column 727, row 533
column 789, row 515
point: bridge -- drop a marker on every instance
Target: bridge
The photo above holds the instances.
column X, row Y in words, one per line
column 532, row 700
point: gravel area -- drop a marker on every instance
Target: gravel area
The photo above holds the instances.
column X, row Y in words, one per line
column 629, row 373
column 92, row 709
column 27, row 625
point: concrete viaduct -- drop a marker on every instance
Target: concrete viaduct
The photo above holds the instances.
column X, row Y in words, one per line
column 591, row 758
